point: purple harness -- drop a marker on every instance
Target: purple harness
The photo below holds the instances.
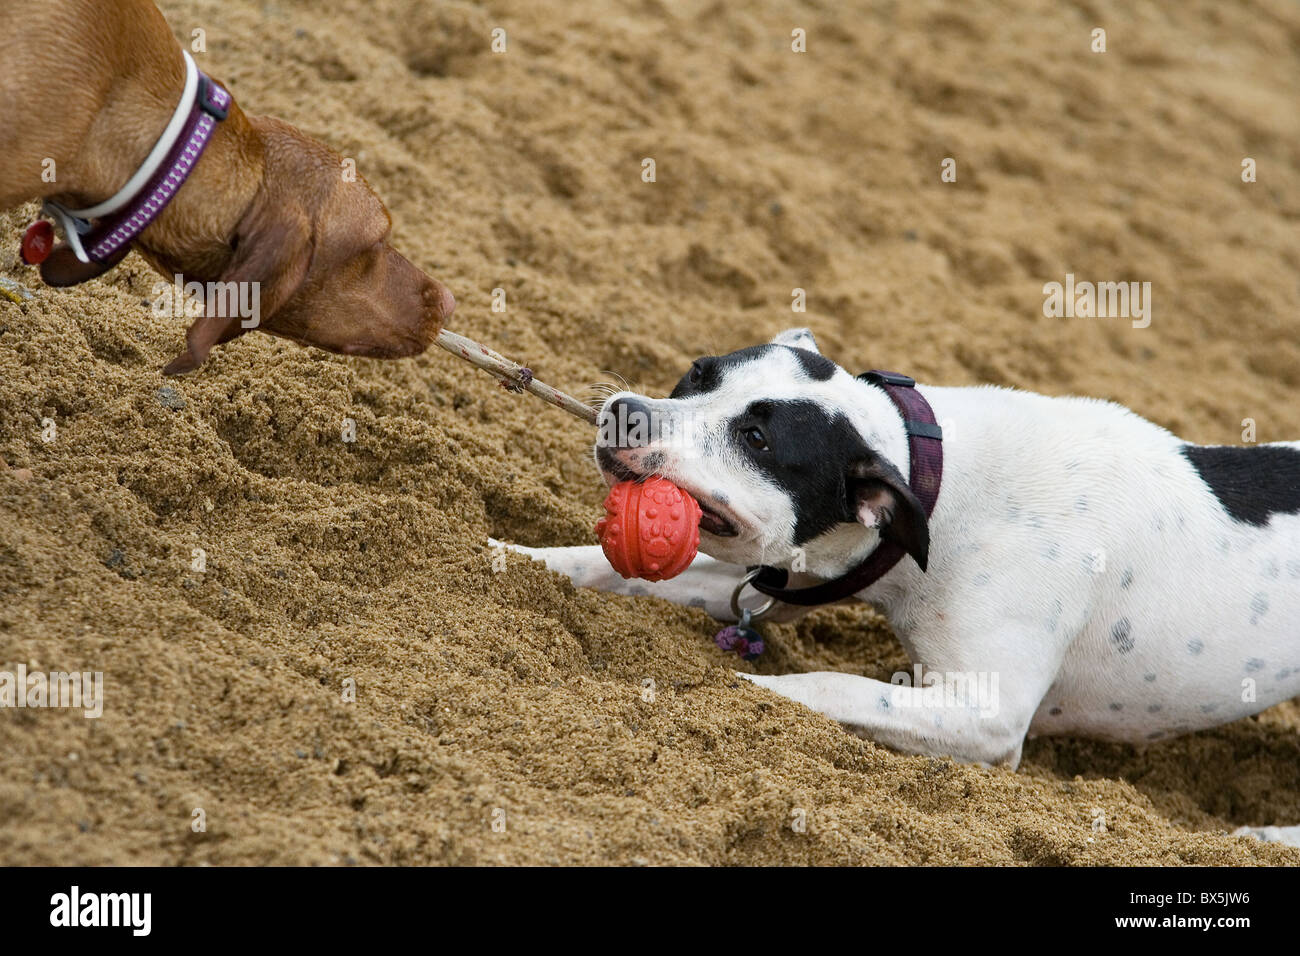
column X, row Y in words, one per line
column 925, row 453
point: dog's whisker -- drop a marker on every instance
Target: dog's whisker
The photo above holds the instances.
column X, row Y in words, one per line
column 597, row 393
column 625, row 386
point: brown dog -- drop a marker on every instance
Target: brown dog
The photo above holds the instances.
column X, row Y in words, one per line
column 91, row 84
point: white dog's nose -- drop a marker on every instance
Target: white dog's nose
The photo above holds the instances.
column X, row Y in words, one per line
column 628, row 421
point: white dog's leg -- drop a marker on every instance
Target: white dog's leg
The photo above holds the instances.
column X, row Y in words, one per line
column 706, row 584
column 897, row 717
column 978, row 694
column 1286, row 835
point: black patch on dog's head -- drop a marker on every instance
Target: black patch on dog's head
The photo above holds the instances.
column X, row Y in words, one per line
column 817, row 367
column 1252, row 482
column 707, row 373
column 811, row 450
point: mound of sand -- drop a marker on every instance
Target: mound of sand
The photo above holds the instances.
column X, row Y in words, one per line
column 510, row 696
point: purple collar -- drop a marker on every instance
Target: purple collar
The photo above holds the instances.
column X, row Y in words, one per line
column 120, row 219
column 925, row 453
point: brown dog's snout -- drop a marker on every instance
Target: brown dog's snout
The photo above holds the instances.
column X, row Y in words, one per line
column 378, row 305
column 440, row 301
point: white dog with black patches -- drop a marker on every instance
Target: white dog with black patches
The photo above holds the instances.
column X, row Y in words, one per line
column 1112, row 580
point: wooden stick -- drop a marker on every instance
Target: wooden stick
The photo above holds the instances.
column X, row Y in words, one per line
column 514, row 376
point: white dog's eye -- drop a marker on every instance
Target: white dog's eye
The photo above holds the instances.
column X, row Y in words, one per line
column 696, row 373
column 754, row 438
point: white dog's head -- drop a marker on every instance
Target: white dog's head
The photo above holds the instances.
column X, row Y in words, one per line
column 787, row 453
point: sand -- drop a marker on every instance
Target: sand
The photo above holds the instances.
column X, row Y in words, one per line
column 504, row 717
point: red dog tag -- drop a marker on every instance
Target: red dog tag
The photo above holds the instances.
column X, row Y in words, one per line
column 38, row 242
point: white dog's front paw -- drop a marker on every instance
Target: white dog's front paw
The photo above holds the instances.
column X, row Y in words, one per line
column 803, row 689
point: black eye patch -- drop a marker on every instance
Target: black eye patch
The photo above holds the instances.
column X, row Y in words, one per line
column 808, row 454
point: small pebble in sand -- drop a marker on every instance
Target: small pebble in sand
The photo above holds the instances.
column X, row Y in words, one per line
column 168, row 397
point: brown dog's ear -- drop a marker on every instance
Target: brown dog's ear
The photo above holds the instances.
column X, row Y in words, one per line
column 273, row 248
column 882, row 499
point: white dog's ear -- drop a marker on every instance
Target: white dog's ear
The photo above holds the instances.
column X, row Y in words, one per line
column 798, row 339
column 883, row 500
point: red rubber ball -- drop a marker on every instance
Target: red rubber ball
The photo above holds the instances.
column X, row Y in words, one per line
column 651, row 529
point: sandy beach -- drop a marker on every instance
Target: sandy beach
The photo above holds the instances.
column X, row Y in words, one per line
column 502, row 715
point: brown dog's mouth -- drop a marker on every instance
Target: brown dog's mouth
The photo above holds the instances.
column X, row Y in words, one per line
column 710, row 520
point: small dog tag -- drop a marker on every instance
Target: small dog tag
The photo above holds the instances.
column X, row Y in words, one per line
column 38, row 242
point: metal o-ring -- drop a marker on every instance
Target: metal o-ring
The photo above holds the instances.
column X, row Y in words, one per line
column 737, row 610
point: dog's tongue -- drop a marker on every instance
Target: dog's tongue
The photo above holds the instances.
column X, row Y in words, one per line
column 651, row 529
